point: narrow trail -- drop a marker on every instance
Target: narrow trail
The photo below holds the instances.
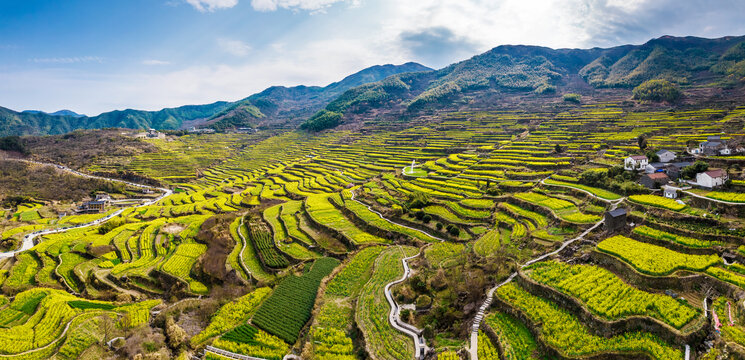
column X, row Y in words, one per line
column 713, row 200
column 543, row 182
column 473, row 349
column 394, row 317
column 229, row 354
column 243, row 249
column 28, row 240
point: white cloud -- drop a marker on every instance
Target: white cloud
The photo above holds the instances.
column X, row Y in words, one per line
column 234, row 47
column 313, row 5
column 67, row 60
column 212, row 5
column 155, row 62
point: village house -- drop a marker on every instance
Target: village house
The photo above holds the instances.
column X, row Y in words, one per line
column 673, row 170
column 712, row 178
column 92, row 207
column 671, row 192
column 655, row 167
column 635, row 162
column 712, row 146
column 654, row 180
column 666, row 156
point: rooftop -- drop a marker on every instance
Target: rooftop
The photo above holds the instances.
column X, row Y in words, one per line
column 715, row 173
column 657, row 176
column 638, row 157
column 617, row 212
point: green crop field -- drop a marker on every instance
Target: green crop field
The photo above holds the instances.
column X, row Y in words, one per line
column 279, row 240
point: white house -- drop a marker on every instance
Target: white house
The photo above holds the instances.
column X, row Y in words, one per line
column 666, row 156
column 635, row 162
column 725, row 151
column 712, row 178
column 671, row 192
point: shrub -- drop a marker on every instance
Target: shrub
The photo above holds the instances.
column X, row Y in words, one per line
column 427, row 218
column 657, row 90
column 573, row 98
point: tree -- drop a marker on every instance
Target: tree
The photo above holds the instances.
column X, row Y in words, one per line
column 557, row 149
column 107, row 327
column 657, row 90
column 176, row 335
column 691, row 171
column 652, row 156
column 642, row 142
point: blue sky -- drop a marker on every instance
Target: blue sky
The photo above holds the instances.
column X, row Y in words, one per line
column 95, row 56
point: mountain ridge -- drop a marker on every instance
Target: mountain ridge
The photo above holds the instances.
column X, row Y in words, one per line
column 402, row 90
column 220, row 115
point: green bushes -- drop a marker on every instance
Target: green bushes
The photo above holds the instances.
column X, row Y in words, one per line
column 572, row 98
column 287, row 310
column 657, row 90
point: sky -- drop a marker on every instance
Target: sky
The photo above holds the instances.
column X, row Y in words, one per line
column 93, row 56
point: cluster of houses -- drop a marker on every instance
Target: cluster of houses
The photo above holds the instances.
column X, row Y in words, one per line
column 662, row 173
column 714, row 145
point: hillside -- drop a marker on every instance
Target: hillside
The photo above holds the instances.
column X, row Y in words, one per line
column 539, row 72
column 275, row 104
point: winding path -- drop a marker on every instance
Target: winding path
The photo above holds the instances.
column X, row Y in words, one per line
column 474, row 341
column 28, row 240
column 394, row 317
column 243, row 248
column 712, row 200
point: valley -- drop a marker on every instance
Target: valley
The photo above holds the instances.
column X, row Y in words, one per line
column 528, row 203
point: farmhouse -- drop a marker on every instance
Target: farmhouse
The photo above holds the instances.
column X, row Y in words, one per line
column 666, row 156
column 615, row 220
column 712, row 178
column 712, row 146
column 655, row 167
column 92, row 207
column 635, row 162
column 671, row 192
column 673, row 170
column 654, row 180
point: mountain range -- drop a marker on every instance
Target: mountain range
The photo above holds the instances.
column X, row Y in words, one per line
column 411, row 88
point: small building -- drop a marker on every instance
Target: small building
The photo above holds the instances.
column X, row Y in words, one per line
column 725, row 151
column 666, row 156
column 673, row 170
column 103, row 197
column 635, row 162
column 712, row 178
column 615, row 220
column 712, row 146
column 654, row 180
column 194, row 130
column 655, row 167
column 671, row 192
column 92, row 207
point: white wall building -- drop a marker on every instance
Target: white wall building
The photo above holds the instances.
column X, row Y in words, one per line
column 666, row 156
column 635, row 162
column 712, row 178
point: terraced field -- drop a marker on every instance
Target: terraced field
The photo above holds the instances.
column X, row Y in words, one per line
column 284, row 243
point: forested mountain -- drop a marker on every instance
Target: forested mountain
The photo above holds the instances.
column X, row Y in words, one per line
column 273, row 105
column 684, row 61
column 411, row 87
